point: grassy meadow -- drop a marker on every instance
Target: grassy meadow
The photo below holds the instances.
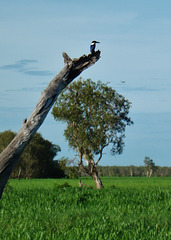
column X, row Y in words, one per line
column 127, row 208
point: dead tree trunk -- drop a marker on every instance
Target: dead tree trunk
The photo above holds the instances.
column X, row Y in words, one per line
column 10, row 155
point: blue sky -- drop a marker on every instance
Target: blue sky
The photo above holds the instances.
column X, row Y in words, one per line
column 135, row 47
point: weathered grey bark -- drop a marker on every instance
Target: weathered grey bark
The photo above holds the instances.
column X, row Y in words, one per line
column 10, row 155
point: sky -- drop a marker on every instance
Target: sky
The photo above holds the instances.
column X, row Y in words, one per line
column 135, row 45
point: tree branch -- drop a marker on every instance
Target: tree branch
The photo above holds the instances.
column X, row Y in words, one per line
column 101, row 152
column 80, row 163
column 81, row 157
column 11, row 154
column 99, row 157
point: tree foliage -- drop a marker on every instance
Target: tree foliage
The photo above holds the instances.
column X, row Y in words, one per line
column 96, row 116
column 5, row 138
column 37, row 158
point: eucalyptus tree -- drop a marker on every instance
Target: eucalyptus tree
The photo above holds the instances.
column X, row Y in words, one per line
column 96, row 116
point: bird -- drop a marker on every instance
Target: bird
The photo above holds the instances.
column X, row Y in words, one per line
column 92, row 46
column 123, row 81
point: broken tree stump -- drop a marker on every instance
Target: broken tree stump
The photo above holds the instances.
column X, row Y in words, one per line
column 11, row 154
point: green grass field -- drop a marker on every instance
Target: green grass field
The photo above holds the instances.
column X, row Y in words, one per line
column 127, row 208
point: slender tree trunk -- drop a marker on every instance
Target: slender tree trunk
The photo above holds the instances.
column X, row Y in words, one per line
column 151, row 172
column 91, row 170
column 94, row 174
column 147, row 173
column 97, row 180
column 11, row 154
column 131, row 172
column 19, row 173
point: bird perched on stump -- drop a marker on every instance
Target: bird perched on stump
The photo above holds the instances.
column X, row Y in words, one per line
column 92, row 46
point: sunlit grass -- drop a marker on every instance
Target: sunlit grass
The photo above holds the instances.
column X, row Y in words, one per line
column 127, row 208
column 107, row 181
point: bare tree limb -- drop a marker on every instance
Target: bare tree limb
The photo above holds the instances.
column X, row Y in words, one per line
column 11, row 154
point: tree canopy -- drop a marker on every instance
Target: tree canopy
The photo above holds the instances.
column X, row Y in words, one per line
column 96, row 116
column 37, row 160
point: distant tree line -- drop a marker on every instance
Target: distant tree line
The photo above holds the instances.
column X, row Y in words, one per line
column 132, row 171
column 115, row 171
column 149, row 170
